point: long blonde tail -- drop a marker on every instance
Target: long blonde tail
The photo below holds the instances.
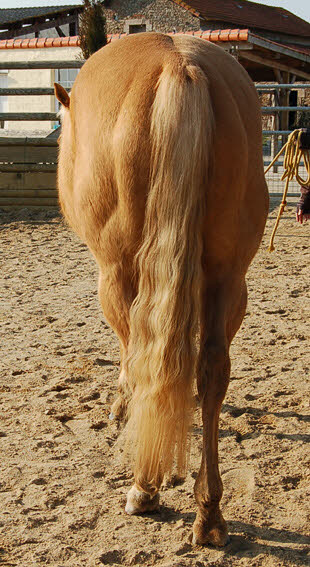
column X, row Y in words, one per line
column 165, row 316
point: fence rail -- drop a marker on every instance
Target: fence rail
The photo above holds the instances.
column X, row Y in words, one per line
column 72, row 64
column 272, row 109
column 284, row 86
column 24, row 142
column 27, row 91
column 26, row 116
column 28, row 172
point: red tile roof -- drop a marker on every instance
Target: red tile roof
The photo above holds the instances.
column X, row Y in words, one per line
column 235, row 35
column 74, row 41
column 249, row 14
column 209, row 35
column 34, row 43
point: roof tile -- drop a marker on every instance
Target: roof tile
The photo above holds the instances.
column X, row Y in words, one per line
column 17, row 43
column 41, row 42
column 244, row 13
column 32, row 42
column 74, row 41
column 49, row 42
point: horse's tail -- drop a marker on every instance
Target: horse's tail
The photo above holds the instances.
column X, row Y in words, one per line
column 165, row 315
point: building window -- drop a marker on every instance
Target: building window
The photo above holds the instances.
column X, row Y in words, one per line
column 66, row 78
column 137, row 28
column 137, row 25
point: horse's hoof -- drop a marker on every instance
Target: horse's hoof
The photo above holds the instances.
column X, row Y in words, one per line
column 172, row 480
column 118, row 409
column 217, row 536
column 139, row 502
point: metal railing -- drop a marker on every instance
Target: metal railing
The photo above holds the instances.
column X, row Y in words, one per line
column 274, row 139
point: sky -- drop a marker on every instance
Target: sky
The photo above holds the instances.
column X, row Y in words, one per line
column 299, row 7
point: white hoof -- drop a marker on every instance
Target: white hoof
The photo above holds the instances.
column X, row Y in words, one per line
column 139, row 502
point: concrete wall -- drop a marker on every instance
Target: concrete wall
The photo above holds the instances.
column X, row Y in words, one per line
column 34, row 78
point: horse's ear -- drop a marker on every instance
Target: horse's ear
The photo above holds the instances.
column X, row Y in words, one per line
column 62, row 95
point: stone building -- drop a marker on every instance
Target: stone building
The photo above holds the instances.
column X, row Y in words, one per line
column 276, row 24
column 134, row 16
column 271, row 43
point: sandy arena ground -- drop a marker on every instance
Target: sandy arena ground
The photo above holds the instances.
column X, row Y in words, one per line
column 63, row 481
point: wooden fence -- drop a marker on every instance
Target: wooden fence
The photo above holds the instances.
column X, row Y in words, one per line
column 28, row 172
column 28, row 165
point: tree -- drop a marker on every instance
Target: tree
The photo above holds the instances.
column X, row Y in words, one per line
column 93, row 32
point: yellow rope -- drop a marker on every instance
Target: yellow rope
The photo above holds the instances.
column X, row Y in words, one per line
column 291, row 164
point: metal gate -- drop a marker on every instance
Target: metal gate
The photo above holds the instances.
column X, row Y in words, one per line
column 275, row 138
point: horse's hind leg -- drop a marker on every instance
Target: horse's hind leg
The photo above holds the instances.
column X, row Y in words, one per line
column 224, row 310
column 116, row 294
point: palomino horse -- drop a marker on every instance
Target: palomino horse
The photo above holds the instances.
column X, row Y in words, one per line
column 161, row 174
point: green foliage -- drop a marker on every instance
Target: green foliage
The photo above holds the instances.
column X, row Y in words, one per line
column 93, row 32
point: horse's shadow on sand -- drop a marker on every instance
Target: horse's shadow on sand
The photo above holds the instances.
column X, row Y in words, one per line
column 245, row 543
column 246, row 540
column 237, row 411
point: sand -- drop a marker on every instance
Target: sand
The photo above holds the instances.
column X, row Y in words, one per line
column 63, row 481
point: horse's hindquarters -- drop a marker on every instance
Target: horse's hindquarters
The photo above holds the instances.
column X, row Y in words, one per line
column 161, row 156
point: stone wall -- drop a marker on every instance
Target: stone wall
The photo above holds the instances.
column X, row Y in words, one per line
column 303, row 118
column 156, row 15
column 304, row 99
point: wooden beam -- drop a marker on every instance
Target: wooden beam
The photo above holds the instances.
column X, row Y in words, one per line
column 273, row 63
column 28, row 180
column 59, row 31
column 27, row 91
column 27, row 167
column 38, row 193
column 278, row 75
column 28, row 116
column 11, row 203
column 42, row 142
column 284, row 101
column 278, row 48
column 22, row 30
column 73, row 64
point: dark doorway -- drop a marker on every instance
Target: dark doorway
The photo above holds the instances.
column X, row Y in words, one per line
column 293, row 100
